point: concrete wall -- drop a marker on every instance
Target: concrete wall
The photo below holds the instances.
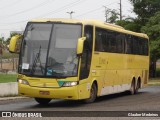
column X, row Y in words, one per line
column 8, row 89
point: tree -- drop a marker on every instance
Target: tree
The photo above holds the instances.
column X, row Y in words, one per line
column 1, row 51
column 129, row 24
column 146, row 22
column 1, row 45
column 152, row 29
column 1, row 39
column 113, row 16
column 144, row 9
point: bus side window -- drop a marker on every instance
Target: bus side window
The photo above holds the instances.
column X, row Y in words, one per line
column 87, row 53
column 137, row 46
column 129, row 44
column 99, row 37
column 120, row 42
column 145, row 47
column 112, row 39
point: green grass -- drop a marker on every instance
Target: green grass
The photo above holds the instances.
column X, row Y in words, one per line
column 4, row 78
column 154, row 82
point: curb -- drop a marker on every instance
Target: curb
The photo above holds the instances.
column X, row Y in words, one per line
column 9, row 89
column 12, row 98
column 153, row 83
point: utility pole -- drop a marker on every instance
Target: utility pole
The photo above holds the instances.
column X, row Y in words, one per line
column 70, row 13
column 107, row 11
column 120, row 10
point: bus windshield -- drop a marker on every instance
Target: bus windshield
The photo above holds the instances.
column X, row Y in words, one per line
column 49, row 49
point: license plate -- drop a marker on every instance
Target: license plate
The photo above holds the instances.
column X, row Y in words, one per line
column 44, row 92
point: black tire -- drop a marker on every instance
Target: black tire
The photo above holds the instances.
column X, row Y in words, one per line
column 137, row 87
column 132, row 89
column 43, row 101
column 93, row 94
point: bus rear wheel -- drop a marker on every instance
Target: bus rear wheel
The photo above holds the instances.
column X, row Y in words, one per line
column 137, row 87
column 43, row 101
column 93, row 94
column 132, row 89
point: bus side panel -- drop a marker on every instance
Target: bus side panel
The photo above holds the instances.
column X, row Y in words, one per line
column 98, row 69
column 120, row 69
column 99, row 77
column 84, row 89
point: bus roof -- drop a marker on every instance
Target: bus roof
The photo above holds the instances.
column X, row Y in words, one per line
column 92, row 22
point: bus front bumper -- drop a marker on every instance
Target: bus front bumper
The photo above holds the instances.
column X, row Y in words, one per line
column 52, row 93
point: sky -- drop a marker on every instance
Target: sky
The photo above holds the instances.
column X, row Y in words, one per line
column 14, row 14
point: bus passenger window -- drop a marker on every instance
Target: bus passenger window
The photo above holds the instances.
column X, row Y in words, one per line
column 98, row 45
column 112, row 38
column 120, row 42
column 129, row 44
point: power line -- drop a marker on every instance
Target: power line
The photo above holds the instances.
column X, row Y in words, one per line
column 18, row 22
column 27, row 10
column 93, row 10
column 56, row 11
column 62, row 8
column 107, row 11
column 11, row 4
column 52, row 12
column 89, row 12
column 5, row 29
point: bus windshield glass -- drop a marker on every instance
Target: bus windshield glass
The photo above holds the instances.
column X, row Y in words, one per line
column 49, row 49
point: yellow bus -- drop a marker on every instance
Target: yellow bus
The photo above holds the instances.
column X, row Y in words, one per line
column 79, row 60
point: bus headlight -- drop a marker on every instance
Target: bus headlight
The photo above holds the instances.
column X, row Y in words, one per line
column 23, row 82
column 69, row 84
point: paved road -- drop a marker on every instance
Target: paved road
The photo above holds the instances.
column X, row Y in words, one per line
column 148, row 99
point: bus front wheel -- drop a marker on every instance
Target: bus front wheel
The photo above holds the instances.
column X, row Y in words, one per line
column 43, row 101
column 93, row 94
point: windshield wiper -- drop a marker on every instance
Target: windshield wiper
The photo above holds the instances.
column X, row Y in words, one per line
column 36, row 60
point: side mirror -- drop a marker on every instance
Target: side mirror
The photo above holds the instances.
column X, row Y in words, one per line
column 80, row 45
column 15, row 44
